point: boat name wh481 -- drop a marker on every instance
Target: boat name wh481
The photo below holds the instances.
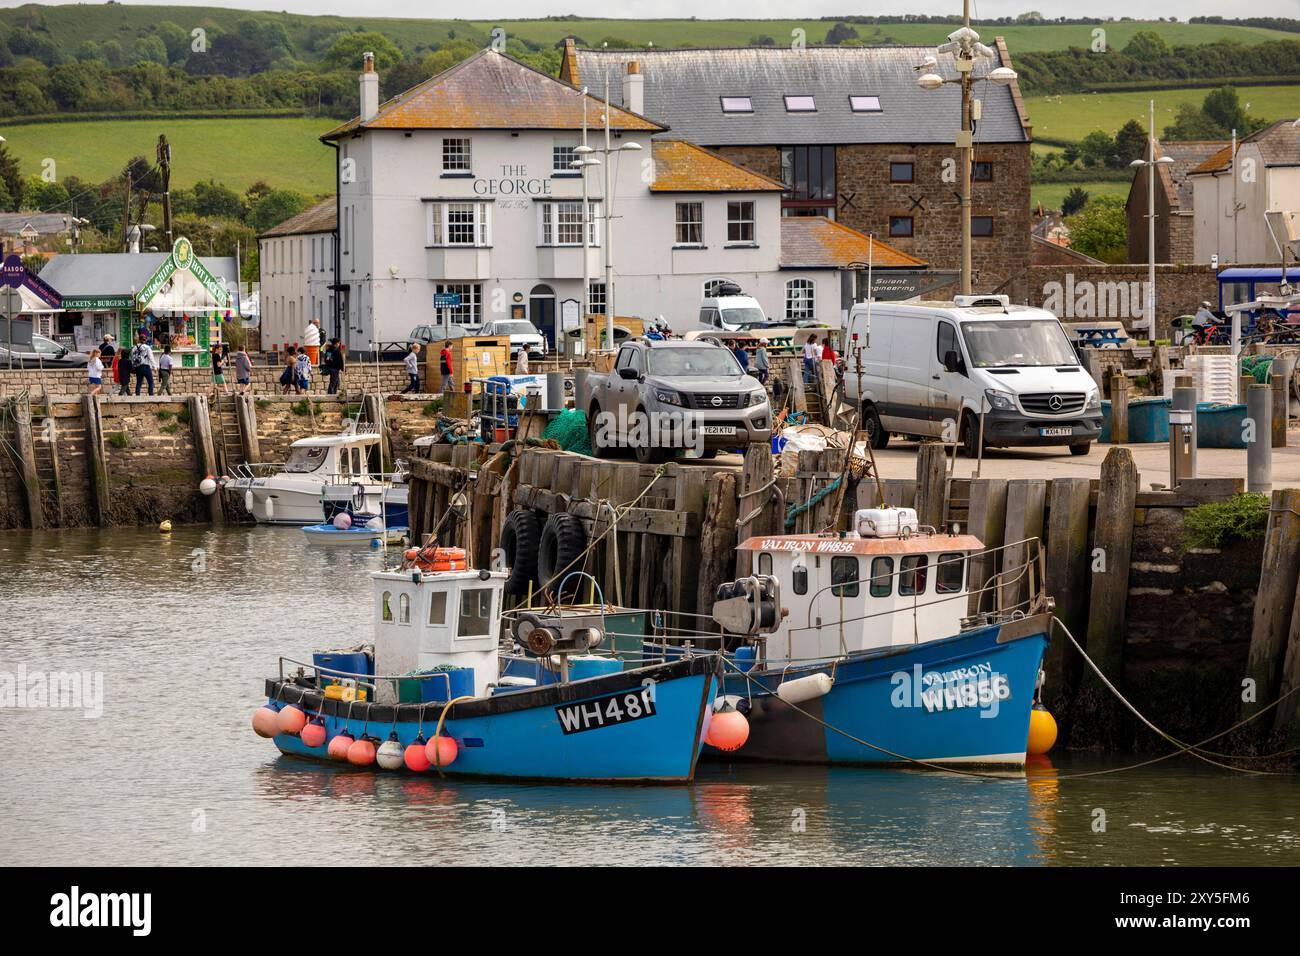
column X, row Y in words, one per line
column 605, row 711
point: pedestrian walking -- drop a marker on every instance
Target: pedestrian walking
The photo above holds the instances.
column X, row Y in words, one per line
column 333, row 364
column 811, row 355
column 243, row 371
column 521, row 364
column 165, row 371
column 412, row 363
column 302, row 370
column 142, row 362
column 742, row 357
column 762, row 364
column 123, row 376
column 445, row 367
column 828, row 351
column 219, row 369
column 289, row 373
column 95, row 372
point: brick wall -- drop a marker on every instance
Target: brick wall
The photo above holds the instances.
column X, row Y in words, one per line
column 867, row 200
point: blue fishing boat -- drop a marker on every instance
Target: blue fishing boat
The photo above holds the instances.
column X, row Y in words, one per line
column 869, row 647
column 439, row 704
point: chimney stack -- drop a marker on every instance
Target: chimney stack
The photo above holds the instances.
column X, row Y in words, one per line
column 634, row 89
column 369, row 87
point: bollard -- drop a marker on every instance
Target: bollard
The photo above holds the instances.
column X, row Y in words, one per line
column 580, row 388
column 1118, row 410
column 555, row 391
column 1259, row 447
column 1279, row 377
column 1184, row 399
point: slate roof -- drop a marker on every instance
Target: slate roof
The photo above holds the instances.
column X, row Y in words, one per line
column 491, row 90
column 685, row 167
column 1278, row 143
column 1187, row 155
column 683, row 89
column 45, row 223
column 815, row 242
column 117, row 273
column 322, row 217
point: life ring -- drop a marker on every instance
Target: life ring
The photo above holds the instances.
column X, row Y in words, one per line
column 434, row 559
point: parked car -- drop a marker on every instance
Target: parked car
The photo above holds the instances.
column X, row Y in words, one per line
column 663, row 397
column 520, row 331
column 425, row 334
column 930, row 367
column 730, row 310
column 42, row 353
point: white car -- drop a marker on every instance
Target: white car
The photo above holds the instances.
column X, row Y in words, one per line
column 521, row 332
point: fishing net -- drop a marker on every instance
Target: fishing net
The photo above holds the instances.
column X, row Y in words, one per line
column 1257, row 366
column 569, row 428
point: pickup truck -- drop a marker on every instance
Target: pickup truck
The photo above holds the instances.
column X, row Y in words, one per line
column 665, row 397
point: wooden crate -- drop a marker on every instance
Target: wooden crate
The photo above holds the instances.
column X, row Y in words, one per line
column 595, row 328
column 472, row 356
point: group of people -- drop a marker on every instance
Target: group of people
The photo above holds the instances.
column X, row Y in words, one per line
column 301, row 360
column 139, row 362
column 814, row 353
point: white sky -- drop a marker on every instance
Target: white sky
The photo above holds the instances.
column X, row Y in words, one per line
column 774, row 9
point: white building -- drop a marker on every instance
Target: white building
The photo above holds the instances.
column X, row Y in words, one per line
column 296, row 262
column 1232, row 194
column 464, row 185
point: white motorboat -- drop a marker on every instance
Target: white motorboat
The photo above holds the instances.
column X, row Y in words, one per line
column 291, row 493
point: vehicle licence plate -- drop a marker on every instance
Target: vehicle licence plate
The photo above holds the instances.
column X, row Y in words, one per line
column 1055, row 432
column 719, row 429
column 606, row 711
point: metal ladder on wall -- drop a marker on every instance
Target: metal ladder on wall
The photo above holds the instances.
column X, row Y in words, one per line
column 229, row 442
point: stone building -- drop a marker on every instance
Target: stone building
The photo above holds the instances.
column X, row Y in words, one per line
column 851, row 137
column 1175, row 209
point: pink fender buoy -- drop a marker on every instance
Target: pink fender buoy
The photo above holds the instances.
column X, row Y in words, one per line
column 313, row 735
column 415, row 756
column 291, row 720
column 361, row 753
column 441, row 751
column 266, row 721
column 339, row 746
column 728, row 730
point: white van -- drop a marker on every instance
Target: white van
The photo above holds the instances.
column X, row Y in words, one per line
column 931, row 367
column 730, row 310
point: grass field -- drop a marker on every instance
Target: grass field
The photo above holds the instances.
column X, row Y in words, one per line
column 1072, row 116
column 285, row 152
column 71, row 24
column 1051, row 194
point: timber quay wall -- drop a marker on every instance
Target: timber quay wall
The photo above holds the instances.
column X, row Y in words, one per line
column 71, row 461
column 1175, row 629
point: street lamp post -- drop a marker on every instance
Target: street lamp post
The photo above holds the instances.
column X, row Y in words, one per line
column 608, row 216
column 965, row 47
column 1150, row 163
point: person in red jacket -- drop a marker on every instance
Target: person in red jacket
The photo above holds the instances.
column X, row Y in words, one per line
column 445, row 367
column 828, row 353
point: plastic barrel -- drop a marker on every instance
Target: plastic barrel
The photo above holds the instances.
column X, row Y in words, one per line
column 1221, row 426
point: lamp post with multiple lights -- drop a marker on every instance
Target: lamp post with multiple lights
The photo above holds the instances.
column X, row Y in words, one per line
column 965, row 47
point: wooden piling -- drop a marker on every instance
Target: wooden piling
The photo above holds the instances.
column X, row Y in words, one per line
column 373, row 408
column 1108, row 597
column 987, row 521
column 96, row 463
column 717, row 545
column 246, row 413
column 1067, row 582
column 1118, row 410
column 1275, row 601
column 205, row 451
column 756, row 501
column 931, row 483
column 26, row 447
column 1024, row 521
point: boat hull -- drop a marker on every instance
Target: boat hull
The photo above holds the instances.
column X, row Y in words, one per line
column 559, row 732
column 328, row 536
column 280, row 501
column 964, row 699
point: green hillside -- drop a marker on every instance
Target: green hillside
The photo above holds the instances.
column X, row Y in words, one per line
column 283, row 152
column 1071, row 117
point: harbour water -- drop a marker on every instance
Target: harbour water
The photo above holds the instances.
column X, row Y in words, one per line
column 184, row 628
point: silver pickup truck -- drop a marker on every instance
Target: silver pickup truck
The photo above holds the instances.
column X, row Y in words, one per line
column 663, row 398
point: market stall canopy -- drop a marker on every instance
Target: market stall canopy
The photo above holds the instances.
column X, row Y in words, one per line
column 34, row 294
column 116, row 280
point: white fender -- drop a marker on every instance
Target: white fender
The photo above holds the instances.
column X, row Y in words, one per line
column 805, row 688
column 248, row 501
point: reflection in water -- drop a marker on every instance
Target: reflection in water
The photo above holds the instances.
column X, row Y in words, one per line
column 184, row 629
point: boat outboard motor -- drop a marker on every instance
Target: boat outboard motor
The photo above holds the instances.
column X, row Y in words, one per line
column 749, row 605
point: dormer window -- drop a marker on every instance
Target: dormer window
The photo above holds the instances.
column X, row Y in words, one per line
column 864, row 104
column 800, row 104
column 737, row 104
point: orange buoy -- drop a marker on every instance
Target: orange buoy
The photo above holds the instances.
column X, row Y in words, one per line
column 266, row 721
column 728, row 730
column 415, row 756
column 1042, row 731
column 313, row 735
column 291, row 720
column 362, row 752
column 441, row 751
column 339, row 746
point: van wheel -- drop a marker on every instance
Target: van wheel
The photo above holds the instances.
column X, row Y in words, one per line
column 592, row 430
column 970, row 435
column 876, row 433
column 1081, row 449
column 647, row 452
